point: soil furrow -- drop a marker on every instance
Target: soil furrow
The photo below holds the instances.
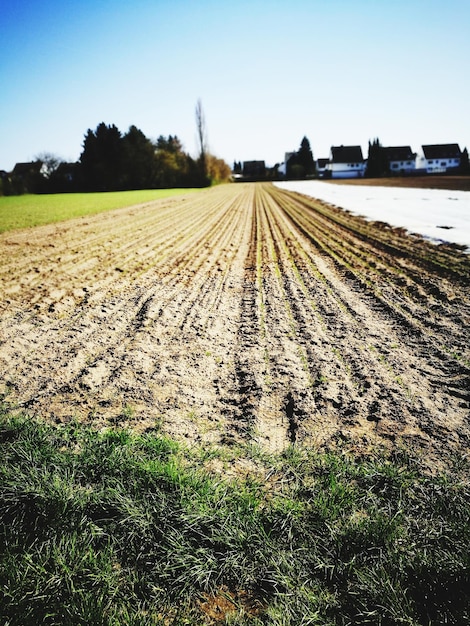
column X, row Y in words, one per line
column 242, row 314
column 410, row 315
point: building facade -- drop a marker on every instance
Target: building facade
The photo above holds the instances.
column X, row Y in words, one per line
column 345, row 162
column 442, row 158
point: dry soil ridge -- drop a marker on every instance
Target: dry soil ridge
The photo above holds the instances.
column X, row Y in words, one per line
column 241, row 314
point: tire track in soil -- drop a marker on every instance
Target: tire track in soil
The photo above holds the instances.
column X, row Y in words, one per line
column 290, row 392
column 241, row 314
column 240, row 393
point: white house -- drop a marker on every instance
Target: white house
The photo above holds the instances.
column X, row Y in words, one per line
column 401, row 159
column 442, row 158
column 345, row 162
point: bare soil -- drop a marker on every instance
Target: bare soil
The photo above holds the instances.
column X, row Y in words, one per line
column 442, row 181
column 244, row 314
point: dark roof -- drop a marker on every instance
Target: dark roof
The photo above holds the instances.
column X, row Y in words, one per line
column 66, row 168
column 22, row 169
column 322, row 162
column 442, row 151
column 346, row 154
column 399, row 153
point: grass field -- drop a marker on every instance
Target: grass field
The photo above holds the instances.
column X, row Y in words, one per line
column 118, row 528
column 36, row 210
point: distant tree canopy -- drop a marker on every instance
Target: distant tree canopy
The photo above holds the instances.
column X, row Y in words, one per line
column 138, row 158
column 102, row 160
column 217, row 169
column 301, row 164
column 377, row 162
column 113, row 161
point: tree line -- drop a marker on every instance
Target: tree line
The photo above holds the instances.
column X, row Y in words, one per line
column 113, row 161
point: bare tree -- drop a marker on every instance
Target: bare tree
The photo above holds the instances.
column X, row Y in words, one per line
column 49, row 163
column 202, row 137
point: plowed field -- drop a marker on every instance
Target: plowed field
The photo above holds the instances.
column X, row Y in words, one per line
column 243, row 314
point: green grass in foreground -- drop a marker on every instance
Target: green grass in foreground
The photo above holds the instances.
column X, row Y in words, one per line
column 116, row 528
column 36, row 210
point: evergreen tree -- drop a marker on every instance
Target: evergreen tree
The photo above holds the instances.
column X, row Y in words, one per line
column 139, row 160
column 102, row 160
column 301, row 164
column 377, row 162
column 464, row 162
column 305, row 157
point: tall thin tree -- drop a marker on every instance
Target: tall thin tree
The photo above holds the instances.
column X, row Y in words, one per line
column 202, row 138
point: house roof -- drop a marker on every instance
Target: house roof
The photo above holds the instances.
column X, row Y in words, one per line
column 399, row 153
column 66, row 168
column 322, row 162
column 21, row 169
column 346, row 154
column 442, row 151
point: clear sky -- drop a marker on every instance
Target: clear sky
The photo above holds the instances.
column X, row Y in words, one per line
column 267, row 72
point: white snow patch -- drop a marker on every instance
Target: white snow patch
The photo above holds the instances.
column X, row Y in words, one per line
column 440, row 215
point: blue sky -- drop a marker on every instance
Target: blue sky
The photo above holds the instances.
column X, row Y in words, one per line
column 267, row 73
